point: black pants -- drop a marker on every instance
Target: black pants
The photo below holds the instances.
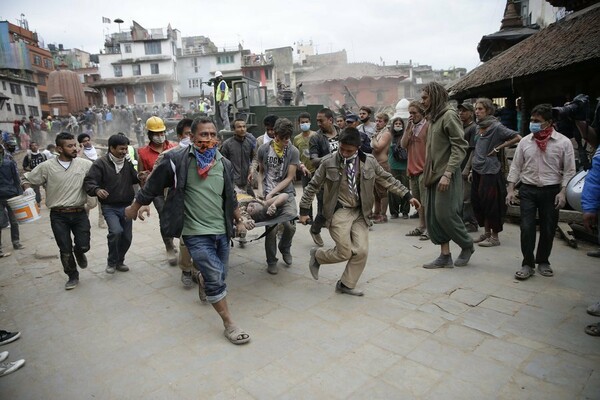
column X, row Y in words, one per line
column 14, row 224
column 319, row 220
column 63, row 224
column 541, row 200
column 159, row 204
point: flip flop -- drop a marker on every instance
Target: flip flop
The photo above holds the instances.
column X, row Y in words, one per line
column 525, row 273
column 593, row 329
column 2, row 255
column 424, row 236
column 545, row 270
column 236, row 335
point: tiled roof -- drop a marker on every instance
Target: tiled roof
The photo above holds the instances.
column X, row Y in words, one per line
column 572, row 41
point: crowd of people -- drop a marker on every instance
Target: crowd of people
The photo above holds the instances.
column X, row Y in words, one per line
column 445, row 163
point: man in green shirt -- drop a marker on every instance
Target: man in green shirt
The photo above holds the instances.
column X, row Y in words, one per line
column 200, row 182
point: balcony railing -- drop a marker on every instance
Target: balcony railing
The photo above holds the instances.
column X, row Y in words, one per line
column 255, row 60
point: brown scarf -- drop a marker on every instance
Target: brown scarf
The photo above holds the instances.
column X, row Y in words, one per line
column 542, row 137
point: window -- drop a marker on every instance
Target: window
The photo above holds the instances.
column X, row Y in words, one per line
column 159, row 92
column 380, row 95
column 152, row 47
column 120, row 95
column 37, row 60
column 47, row 63
column 19, row 109
column 140, row 94
column 128, row 48
column 154, row 69
column 268, row 74
column 7, row 107
column 30, row 91
column 41, row 79
column 33, row 110
column 195, row 64
column 228, row 59
column 3, row 85
column 193, row 83
column 137, row 70
column 15, row 89
column 118, row 70
column 43, row 98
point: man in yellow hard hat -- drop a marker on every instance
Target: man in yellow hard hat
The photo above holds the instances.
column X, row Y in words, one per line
column 148, row 155
column 222, row 91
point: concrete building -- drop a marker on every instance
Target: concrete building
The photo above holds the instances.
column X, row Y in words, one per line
column 198, row 63
column 139, row 66
column 41, row 59
column 71, row 58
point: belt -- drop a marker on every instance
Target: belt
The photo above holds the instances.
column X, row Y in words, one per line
column 67, row 209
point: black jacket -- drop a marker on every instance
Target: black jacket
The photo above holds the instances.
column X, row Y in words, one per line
column 171, row 174
column 10, row 183
column 103, row 175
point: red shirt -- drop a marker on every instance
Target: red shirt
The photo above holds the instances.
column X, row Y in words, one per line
column 148, row 156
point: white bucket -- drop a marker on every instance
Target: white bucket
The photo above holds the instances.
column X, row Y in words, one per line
column 25, row 208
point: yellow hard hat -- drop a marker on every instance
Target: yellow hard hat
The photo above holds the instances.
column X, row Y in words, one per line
column 155, row 124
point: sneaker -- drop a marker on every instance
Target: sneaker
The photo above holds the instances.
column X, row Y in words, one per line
column 122, row 268
column 464, row 257
column 110, row 269
column 443, row 261
column 81, row 260
column 405, row 216
column 201, row 291
column 490, row 242
column 287, row 258
column 3, row 356
column 8, row 337
column 10, row 367
column 482, row 237
column 186, row 278
column 341, row 288
column 316, row 237
column 18, row 246
column 71, row 283
column 313, row 264
column 272, row 269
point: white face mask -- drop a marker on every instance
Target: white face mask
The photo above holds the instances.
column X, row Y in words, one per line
column 305, row 126
column 158, row 139
column 185, row 142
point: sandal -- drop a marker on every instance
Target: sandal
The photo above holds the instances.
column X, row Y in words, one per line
column 424, row 236
column 236, row 335
column 525, row 273
column 545, row 270
column 415, row 232
column 593, row 329
column 483, row 237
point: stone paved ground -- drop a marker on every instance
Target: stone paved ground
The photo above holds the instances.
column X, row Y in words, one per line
column 462, row 333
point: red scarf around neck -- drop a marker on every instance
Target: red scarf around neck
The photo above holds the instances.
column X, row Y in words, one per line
column 542, row 137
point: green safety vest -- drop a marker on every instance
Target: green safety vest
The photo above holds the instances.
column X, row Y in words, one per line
column 201, row 107
column 226, row 97
column 134, row 160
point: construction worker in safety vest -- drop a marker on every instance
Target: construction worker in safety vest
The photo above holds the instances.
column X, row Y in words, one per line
column 222, row 100
column 202, row 107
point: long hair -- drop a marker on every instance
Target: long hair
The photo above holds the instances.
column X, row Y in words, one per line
column 438, row 98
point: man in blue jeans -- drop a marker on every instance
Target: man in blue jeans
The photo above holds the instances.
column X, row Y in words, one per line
column 201, row 207
column 111, row 179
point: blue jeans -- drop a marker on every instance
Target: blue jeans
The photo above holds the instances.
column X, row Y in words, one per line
column 119, row 233
column 211, row 256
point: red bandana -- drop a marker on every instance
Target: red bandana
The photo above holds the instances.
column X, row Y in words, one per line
column 542, row 137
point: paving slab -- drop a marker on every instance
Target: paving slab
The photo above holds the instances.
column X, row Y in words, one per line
column 471, row 332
